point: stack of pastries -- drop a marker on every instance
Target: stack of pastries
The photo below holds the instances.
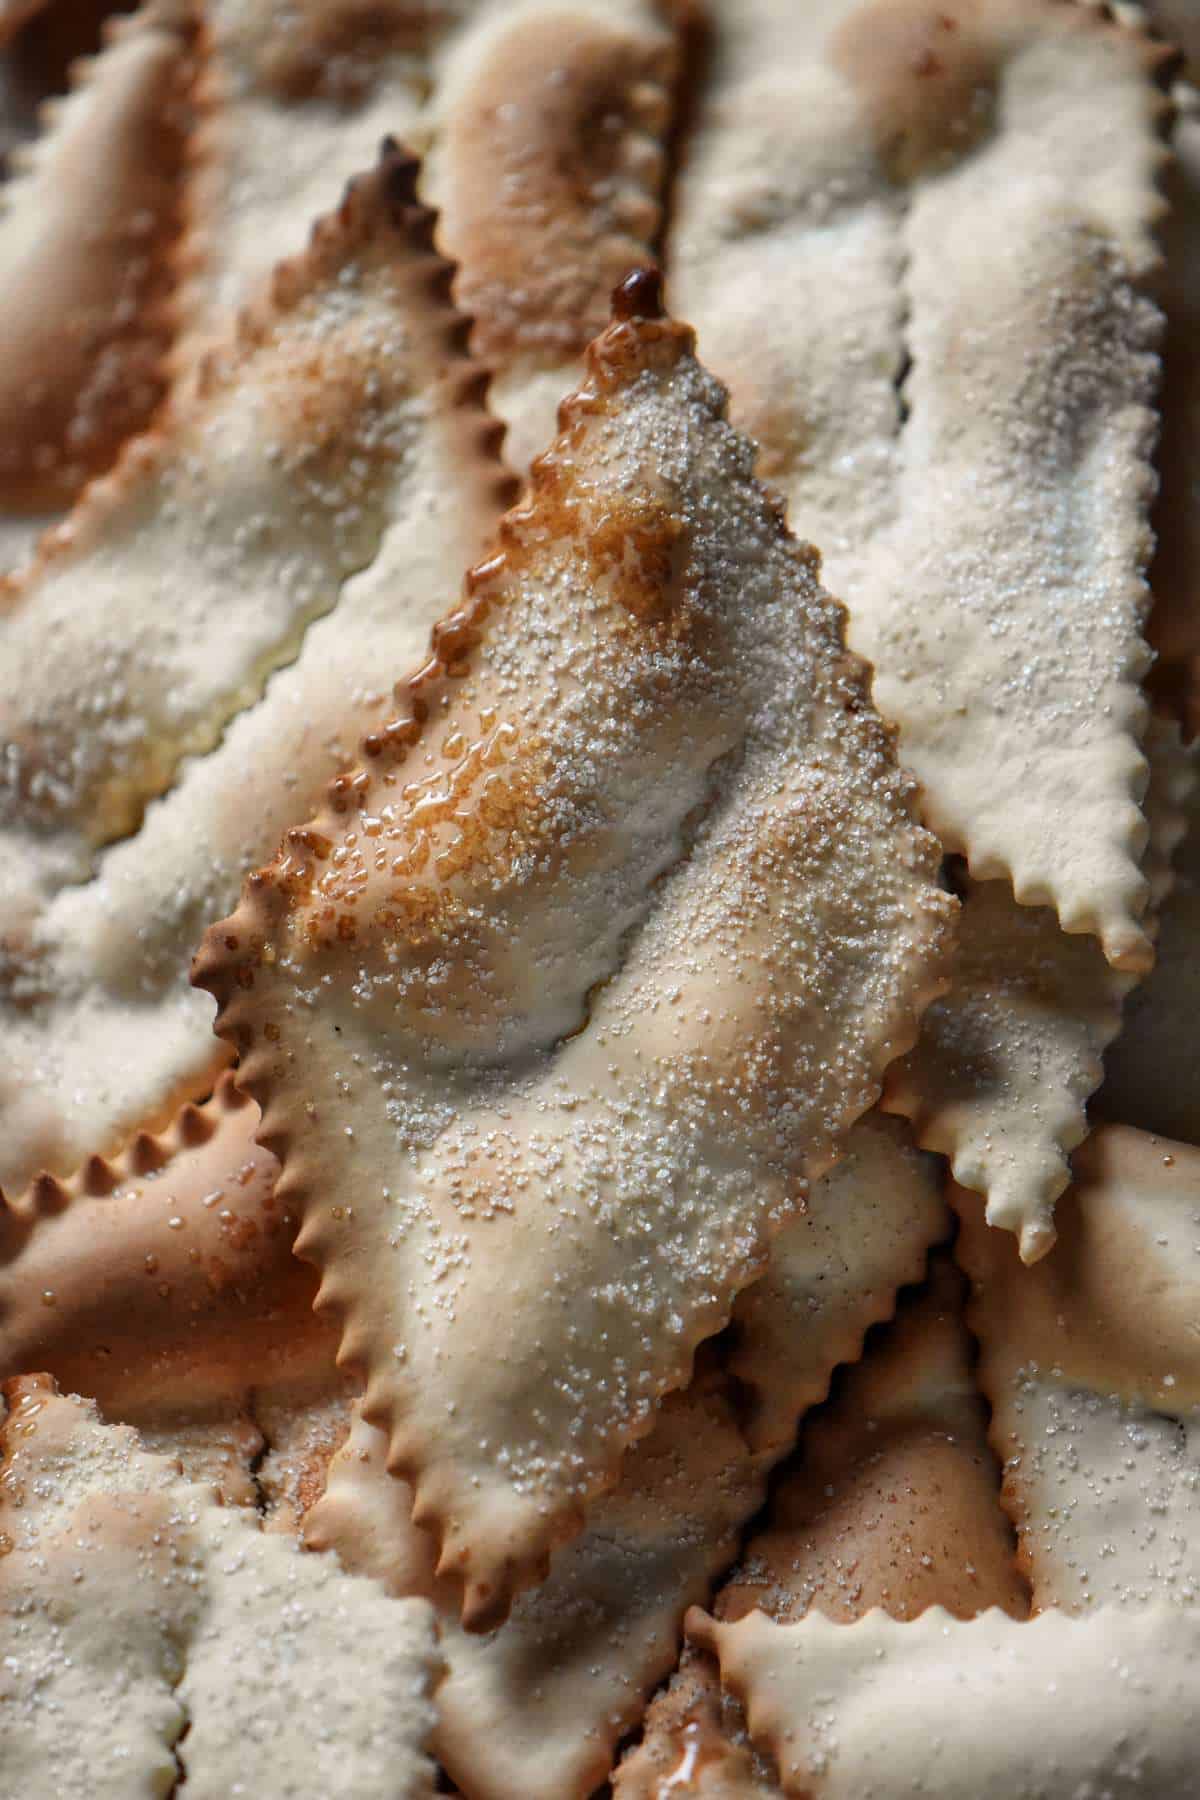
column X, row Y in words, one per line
column 599, row 899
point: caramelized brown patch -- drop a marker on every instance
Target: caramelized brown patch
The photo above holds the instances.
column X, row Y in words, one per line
column 326, row 403
column 640, row 549
column 473, row 815
column 639, row 296
column 925, row 72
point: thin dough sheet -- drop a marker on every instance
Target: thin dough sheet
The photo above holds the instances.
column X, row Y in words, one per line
column 93, row 989
column 969, row 1710
column 156, row 1637
column 1091, row 1367
column 583, row 1179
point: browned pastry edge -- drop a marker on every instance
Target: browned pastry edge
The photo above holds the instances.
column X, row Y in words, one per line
column 224, row 964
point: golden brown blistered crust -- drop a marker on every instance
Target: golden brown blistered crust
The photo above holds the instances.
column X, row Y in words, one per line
column 381, row 217
column 475, row 851
column 291, row 102
column 101, row 1006
column 87, row 230
column 549, row 178
column 375, row 208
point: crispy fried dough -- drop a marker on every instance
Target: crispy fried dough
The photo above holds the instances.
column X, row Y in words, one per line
column 1007, row 1060
column 892, row 1501
column 153, row 1635
column 641, row 763
column 534, row 1710
column 93, row 989
column 545, row 129
column 88, row 223
column 970, row 189
column 977, row 1709
column 294, row 101
column 833, row 1271
column 163, row 1285
column 268, row 481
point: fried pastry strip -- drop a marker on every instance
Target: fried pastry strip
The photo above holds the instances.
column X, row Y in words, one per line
column 516, row 997
column 153, row 1636
column 163, row 1285
column 545, row 132
column 1000, row 1078
column 978, row 1709
column 1005, row 610
column 296, row 100
column 88, row 223
column 1091, row 1365
column 892, row 1501
column 1004, row 156
column 785, row 253
column 834, row 1271
column 94, row 994
column 268, row 481
column 535, row 1709
column 1007, row 1060
column 543, row 122
column 893, row 1497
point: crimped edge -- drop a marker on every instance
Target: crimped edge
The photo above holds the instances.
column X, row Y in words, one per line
column 230, row 951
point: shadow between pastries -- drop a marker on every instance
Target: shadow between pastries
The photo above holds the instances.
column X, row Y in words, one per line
column 367, row 363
